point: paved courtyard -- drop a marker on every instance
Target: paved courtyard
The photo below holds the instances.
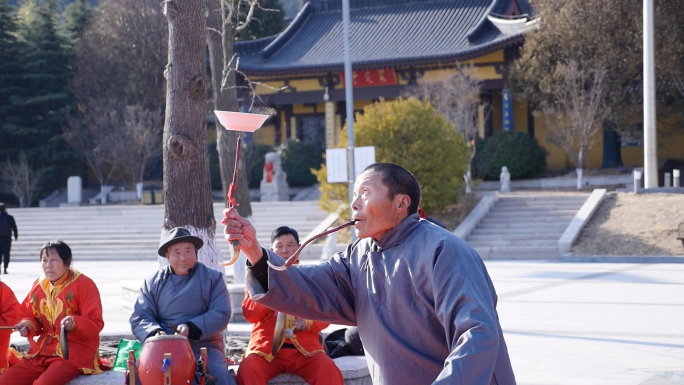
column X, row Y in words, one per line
column 565, row 323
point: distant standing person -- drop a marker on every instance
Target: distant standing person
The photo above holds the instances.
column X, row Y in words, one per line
column 7, row 225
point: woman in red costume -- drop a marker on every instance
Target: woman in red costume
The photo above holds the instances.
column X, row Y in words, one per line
column 8, row 317
column 61, row 298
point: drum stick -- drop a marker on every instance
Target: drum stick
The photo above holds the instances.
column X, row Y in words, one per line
column 131, row 366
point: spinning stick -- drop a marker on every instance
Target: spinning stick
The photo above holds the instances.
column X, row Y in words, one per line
column 240, row 122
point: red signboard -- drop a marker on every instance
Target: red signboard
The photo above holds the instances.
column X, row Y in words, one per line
column 369, row 78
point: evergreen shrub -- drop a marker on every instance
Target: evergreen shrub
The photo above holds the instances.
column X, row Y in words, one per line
column 298, row 158
column 410, row 133
column 518, row 151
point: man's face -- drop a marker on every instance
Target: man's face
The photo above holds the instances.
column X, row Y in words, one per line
column 285, row 245
column 374, row 211
column 182, row 257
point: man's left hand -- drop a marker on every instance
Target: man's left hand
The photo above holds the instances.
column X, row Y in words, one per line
column 183, row 330
column 68, row 323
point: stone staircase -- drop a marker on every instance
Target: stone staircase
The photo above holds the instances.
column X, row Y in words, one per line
column 524, row 226
column 131, row 232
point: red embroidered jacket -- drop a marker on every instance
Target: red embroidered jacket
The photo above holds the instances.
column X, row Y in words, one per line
column 264, row 320
column 46, row 305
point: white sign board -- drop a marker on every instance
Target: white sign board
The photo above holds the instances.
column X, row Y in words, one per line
column 336, row 165
column 363, row 157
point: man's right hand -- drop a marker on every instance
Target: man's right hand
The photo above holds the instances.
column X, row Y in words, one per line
column 239, row 229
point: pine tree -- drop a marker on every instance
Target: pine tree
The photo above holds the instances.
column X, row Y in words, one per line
column 38, row 107
column 10, row 70
column 268, row 20
column 76, row 18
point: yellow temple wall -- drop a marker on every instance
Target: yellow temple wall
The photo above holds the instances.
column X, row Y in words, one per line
column 265, row 135
column 669, row 147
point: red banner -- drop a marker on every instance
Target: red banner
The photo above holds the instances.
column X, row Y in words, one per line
column 369, row 78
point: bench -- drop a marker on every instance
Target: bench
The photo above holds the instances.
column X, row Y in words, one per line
column 354, row 371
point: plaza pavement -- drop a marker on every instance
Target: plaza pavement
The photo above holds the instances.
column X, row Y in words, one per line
column 565, row 323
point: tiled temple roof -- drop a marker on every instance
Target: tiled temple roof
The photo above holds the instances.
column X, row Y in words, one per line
column 394, row 33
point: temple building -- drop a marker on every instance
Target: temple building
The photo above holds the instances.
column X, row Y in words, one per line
column 395, row 45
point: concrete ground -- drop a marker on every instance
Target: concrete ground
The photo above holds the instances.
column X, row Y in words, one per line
column 564, row 323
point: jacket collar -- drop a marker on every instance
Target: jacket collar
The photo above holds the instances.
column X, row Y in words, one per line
column 399, row 232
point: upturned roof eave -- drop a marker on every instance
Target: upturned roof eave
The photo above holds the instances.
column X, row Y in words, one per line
column 374, row 64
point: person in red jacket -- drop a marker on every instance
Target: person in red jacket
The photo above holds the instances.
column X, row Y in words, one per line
column 8, row 317
column 299, row 351
column 61, row 298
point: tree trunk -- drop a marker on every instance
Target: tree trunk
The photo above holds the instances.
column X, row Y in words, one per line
column 225, row 100
column 187, row 189
column 578, row 168
column 103, row 194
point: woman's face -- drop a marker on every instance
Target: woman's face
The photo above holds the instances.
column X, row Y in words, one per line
column 53, row 266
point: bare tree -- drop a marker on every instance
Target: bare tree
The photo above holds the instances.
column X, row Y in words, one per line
column 225, row 20
column 94, row 130
column 188, row 199
column 22, row 179
column 223, row 23
column 576, row 111
column 120, row 55
column 458, row 99
column 143, row 131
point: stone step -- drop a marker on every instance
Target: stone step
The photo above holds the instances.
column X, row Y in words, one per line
column 530, row 214
column 521, row 256
column 534, row 197
column 539, row 205
column 542, row 202
column 518, row 231
column 514, row 237
column 516, row 249
column 525, row 220
column 536, row 209
column 527, row 225
column 525, row 243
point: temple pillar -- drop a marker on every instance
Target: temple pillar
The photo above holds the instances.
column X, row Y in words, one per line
column 330, row 131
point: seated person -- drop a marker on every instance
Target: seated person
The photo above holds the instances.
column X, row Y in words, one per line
column 190, row 296
column 8, row 316
column 61, row 298
column 301, row 354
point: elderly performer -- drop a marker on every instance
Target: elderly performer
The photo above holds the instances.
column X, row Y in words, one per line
column 191, row 297
column 421, row 297
column 301, row 353
column 65, row 299
column 8, row 317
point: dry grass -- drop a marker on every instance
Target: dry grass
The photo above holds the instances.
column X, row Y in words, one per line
column 452, row 215
column 629, row 224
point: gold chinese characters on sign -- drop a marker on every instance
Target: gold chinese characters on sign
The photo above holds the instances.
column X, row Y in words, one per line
column 369, row 78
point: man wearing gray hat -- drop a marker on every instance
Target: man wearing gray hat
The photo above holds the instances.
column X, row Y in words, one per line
column 191, row 297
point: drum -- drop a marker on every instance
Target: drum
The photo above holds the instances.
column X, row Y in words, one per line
column 182, row 366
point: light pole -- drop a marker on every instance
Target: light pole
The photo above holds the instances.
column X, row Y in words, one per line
column 650, row 146
column 349, row 97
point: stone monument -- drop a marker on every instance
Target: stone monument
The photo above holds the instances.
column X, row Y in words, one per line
column 505, row 179
column 274, row 186
column 74, row 190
